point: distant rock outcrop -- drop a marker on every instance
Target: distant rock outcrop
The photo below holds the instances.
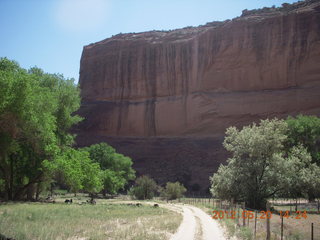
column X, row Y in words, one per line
column 165, row 98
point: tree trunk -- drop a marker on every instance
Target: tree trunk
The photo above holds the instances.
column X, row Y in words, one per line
column 7, row 188
column 7, row 193
column 311, row 196
column 11, row 180
column 31, row 192
column 38, row 191
column 51, row 189
column 22, row 190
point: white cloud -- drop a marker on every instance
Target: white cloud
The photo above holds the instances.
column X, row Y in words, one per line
column 81, row 15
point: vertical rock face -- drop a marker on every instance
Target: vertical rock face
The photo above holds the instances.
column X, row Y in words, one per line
column 166, row 98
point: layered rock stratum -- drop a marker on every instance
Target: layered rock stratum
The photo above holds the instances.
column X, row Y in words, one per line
column 165, row 98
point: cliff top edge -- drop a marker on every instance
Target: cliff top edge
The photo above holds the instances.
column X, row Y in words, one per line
column 191, row 31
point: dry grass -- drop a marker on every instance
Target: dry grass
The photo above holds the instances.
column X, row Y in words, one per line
column 292, row 229
column 295, row 229
column 59, row 221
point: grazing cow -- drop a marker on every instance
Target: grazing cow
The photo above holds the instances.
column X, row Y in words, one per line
column 138, row 204
column 156, row 205
column 68, row 201
column 91, row 201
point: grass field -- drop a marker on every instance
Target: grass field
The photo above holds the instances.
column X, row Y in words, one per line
column 25, row 221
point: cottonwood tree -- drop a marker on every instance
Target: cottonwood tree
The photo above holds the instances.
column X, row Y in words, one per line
column 35, row 116
column 305, row 130
column 302, row 175
column 77, row 170
column 259, row 167
column 116, row 168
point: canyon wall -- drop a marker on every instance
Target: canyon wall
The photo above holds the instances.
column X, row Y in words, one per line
column 165, row 98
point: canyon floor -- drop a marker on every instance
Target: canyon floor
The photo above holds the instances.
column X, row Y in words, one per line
column 112, row 219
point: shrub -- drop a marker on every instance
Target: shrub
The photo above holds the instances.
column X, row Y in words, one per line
column 144, row 188
column 173, row 190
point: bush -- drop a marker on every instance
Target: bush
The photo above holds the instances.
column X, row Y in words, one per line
column 173, row 191
column 144, row 188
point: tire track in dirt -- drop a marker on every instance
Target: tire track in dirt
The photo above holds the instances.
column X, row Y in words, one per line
column 196, row 224
column 187, row 231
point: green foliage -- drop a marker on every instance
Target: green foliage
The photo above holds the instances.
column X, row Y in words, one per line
column 258, row 168
column 303, row 175
column 305, row 130
column 116, row 168
column 78, row 171
column 144, row 188
column 35, row 116
column 173, row 191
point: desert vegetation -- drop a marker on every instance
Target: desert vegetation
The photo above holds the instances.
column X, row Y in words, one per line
column 146, row 188
column 285, row 7
column 173, row 191
column 276, row 158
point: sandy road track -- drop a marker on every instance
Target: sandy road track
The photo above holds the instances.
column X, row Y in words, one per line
column 210, row 229
column 196, row 224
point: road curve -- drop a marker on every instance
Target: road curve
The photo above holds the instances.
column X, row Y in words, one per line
column 193, row 219
column 187, row 231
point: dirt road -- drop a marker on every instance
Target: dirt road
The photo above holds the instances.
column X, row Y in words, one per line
column 196, row 224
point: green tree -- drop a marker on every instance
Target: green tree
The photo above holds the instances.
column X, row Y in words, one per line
column 173, row 190
column 258, row 168
column 302, row 175
column 117, row 168
column 144, row 188
column 305, row 130
column 77, row 171
column 32, row 127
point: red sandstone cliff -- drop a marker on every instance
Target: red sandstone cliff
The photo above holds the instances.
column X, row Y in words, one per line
column 166, row 97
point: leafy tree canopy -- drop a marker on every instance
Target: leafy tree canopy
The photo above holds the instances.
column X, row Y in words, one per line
column 77, row 170
column 116, row 168
column 35, row 116
column 259, row 167
column 305, row 130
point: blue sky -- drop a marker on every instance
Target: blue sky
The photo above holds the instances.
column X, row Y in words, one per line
column 50, row 34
